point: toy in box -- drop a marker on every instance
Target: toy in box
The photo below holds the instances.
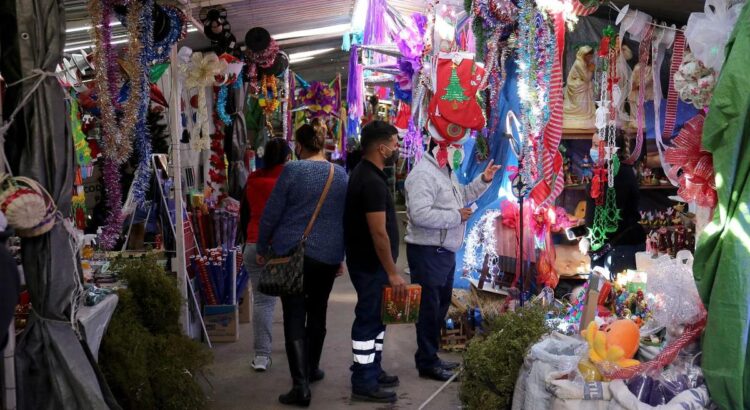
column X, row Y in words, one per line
column 403, row 311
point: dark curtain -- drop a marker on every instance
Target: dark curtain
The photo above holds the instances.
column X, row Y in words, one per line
column 54, row 370
column 236, row 144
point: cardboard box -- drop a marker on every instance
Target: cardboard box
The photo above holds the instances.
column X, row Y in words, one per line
column 245, row 303
column 222, row 323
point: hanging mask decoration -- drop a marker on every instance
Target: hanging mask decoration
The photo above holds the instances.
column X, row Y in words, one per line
column 216, row 27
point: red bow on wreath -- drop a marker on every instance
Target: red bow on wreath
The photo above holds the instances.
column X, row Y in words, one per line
column 687, row 154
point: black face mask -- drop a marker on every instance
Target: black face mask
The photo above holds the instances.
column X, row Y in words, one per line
column 393, row 159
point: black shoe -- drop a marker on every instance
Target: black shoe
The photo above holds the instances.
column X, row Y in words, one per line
column 296, row 397
column 386, row 380
column 449, row 365
column 317, row 375
column 436, row 373
column 375, row 396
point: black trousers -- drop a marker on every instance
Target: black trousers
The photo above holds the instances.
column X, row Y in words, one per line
column 433, row 268
column 305, row 315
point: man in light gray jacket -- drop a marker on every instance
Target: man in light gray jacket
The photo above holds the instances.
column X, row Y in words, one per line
column 438, row 208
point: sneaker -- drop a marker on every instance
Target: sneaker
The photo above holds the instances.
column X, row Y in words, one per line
column 261, row 363
column 375, row 396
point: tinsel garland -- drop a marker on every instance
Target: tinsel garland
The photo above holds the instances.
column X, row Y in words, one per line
column 117, row 135
column 481, row 241
column 221, row 105
column 142, row 177
column 535, row 55
column 113, row 193
column 177, row 31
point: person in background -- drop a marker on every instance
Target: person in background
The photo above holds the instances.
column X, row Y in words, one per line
column 353, row 156
column 257, row 190
column 287, row 213
column 437, row 206
column 372, row 241
column 618, row 254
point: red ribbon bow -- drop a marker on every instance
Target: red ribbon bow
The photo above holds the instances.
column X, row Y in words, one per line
column 687, row 154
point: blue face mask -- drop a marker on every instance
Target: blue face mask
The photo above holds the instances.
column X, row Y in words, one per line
column 594, row 154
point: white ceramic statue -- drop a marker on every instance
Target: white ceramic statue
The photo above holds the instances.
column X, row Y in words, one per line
column 579, row 109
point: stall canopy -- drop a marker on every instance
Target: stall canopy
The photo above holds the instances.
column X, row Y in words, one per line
column 54, row 369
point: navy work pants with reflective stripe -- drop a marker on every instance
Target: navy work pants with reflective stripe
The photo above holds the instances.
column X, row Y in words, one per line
column 368, row 330
column 431, row 267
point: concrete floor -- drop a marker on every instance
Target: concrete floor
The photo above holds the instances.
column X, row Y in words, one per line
column 234, row 384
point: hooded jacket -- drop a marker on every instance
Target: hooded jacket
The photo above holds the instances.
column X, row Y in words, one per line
column 433, row 199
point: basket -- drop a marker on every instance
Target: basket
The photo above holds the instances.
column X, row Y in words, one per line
column 28, row 207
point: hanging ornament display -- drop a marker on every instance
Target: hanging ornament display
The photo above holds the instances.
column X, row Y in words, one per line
column 606, row 214
column 262, row 51
column 268, row 98
column 201, row 73
column 118, row 135
column 535, row 58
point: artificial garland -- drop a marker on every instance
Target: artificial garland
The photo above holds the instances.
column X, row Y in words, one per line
column 535, row 56
column 177, row 31
column 264, row 59
column 116, row 135
column 606, row 214
column 268, row 99
column 142, row 141
column 498, row 19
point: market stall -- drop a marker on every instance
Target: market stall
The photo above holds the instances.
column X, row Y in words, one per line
column 597, row 112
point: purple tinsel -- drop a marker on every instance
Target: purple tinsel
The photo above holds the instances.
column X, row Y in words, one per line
column 111, row 231
column 413, row 144
column 356, row 86
column 375, row 25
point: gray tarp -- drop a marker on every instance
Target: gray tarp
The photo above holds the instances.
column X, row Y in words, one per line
column 53, row 369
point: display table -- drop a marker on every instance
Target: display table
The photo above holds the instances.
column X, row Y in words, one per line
column 94, row 321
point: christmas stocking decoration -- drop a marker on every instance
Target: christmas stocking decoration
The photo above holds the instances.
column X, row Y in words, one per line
column 457, row 81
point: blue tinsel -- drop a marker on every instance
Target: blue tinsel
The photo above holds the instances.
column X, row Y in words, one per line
column 142, row 140
column 221, row 105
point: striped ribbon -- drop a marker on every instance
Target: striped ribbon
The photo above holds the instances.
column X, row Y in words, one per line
column 643, row 52
column 548, row 190
column 580, row 10
column 670, row 117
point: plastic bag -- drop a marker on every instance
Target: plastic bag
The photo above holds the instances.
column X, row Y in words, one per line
column 671, row 294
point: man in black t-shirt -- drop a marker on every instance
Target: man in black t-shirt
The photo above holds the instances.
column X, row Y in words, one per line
column 372, row 242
